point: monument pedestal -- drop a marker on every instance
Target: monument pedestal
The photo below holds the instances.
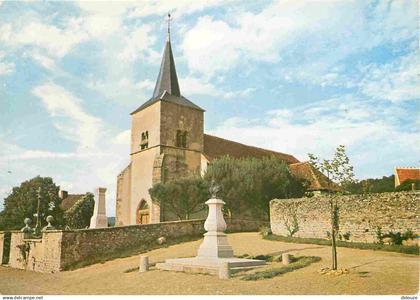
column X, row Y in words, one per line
column 214, row 252
column 99, row 218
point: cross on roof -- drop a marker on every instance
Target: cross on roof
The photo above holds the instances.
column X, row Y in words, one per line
column 169, row 26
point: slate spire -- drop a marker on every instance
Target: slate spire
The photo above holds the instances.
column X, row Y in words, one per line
column 167, row 79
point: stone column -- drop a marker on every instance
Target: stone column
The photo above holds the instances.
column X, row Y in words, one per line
column 99, row 218
column 144, row 264
column 224, row 271
column 285, row 259
column 215, row 244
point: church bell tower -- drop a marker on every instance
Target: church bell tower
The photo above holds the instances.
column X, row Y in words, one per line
column 166, row 143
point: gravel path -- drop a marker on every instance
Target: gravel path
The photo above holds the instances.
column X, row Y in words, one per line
column 371, row 272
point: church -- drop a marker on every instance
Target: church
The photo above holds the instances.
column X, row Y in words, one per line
column 168, row 142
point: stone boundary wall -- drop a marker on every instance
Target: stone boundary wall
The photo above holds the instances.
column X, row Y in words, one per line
column 360, row 215
column 59, row 250
column 40, row 255
column 90, row 244
column 2, row 250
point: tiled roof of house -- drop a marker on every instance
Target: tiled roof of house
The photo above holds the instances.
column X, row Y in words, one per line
column 70, row 200
column 215, row 147
column 405, row 173
column 317, row 180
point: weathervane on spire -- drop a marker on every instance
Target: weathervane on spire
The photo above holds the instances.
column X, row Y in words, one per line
column 169, row 26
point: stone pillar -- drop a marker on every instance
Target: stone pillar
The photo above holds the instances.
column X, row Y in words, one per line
column 99, row 219
column 144, row 264
column 285, row 259
column 224, row 271
column 215, row 244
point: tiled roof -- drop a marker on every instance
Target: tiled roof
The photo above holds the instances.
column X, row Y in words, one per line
column 181, row 100
column 70, row 200
column 167, row 87
column 167, row 79
column 317, row 180
column 215, row 147
column 402, row 174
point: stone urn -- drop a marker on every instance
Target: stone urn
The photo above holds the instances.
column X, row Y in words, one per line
column 27, row 230
column 49, row 226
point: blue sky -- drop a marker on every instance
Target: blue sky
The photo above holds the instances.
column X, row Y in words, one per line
column 293, row 76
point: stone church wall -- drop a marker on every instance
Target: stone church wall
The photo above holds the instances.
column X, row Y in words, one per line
column 360, row 215
column 60, row 250
column 122, row 212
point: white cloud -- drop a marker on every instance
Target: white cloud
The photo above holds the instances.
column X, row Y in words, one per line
column 57, row 42
column 101, row 152
column 40, row 154
column 5, row 66
column 146, row 84
column 137, row 44
column 395, row 81
column 69, row 117
column 372, row 136
column 210, row 47
column 176, row 8
column 42, row 59
column 201, row 86
column 102, row 21
column 307, row 39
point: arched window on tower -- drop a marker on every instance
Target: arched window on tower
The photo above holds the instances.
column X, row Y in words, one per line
column 181, row 139
column 144, row 144
column 178, row 138
column 184, row 139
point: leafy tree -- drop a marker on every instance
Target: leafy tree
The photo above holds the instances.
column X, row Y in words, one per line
column 372, row 185
column 183, row 197
column 338, row 171
column 78, row 216
column 23, row 203
column 251, row 183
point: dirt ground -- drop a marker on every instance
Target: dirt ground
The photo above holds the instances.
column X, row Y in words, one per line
column 371, row 272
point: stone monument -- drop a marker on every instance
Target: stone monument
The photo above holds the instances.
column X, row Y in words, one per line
column 99, row 218
column 214, row 252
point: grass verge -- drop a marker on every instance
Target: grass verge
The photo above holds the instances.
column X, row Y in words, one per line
column 300, row 262
column 357, row 245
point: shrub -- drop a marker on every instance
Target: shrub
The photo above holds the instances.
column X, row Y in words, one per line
column 407, row 185
column 397, row 238
column 265, row 230
column 347, row 235
column 358, row 245
column 292, row 227
column 78, row 216
column 183, row 197
column 249, row 184
column 379, row 235
column 298, row 263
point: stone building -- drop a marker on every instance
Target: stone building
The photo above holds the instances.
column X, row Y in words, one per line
column 68, row 200
column 168, row 141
